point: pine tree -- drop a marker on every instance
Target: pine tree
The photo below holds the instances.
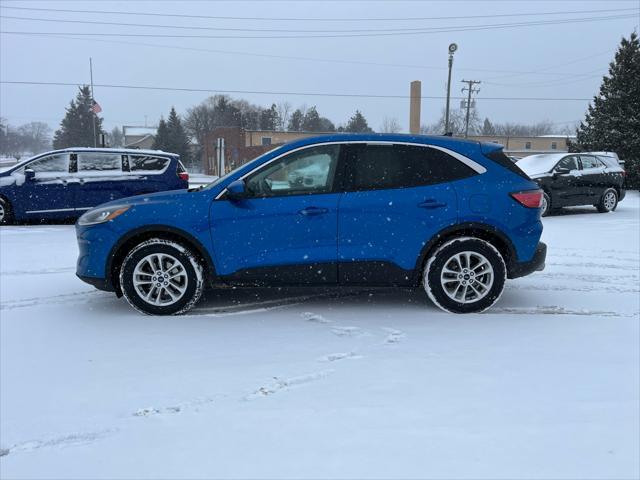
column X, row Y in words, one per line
column 612, row 122
column 295, row 122
column 269, row 118
column 76, row 128
column 161, row 142
column 488, row 128
column 311, row 121
column 172, row 137
column 358, row 124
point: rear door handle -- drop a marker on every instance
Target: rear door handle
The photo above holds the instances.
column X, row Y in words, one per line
column 432, row 203
column 310, row 211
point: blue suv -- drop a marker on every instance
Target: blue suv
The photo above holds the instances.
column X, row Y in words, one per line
column 66, row 183
column 455, row 216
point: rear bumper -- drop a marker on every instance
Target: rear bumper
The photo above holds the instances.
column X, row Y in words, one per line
column 99, row 283
column 623, row 192
column 536, row 264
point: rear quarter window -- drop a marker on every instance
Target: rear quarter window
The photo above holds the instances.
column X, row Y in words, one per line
column 499, row 157
column 147, row 163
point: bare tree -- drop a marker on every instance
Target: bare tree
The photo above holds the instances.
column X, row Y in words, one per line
column 284, row 112
column 390, row 125
column 457, row 120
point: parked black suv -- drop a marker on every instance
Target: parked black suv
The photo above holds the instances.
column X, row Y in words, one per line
column 570, row 179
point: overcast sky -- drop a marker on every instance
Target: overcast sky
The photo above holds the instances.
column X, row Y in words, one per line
column 558, row 60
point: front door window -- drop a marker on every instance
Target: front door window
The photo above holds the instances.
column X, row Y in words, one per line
column 307, row 171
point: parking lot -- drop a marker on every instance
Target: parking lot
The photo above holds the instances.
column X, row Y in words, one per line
column 307, row 383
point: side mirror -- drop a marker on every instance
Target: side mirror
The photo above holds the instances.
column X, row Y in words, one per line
column 561, row 171
column 29, row 174
column 237, row 190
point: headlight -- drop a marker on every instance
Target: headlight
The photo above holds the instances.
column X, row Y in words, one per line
column 101, row 215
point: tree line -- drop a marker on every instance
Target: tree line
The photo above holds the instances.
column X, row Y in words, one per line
column 32, row 137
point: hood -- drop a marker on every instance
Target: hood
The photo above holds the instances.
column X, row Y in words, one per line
column 149, row 198
column 536, row 165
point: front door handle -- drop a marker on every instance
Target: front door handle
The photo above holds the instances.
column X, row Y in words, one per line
column 432, row 203
column 311, row 211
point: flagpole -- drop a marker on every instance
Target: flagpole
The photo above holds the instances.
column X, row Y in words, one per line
column 95, row 138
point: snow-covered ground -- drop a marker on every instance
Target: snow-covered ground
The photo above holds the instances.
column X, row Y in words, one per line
column 299, row 383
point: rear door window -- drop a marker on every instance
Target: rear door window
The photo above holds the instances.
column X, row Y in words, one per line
column 94, row 162
column 589, row 162
column 147, row 163
column 374, row 167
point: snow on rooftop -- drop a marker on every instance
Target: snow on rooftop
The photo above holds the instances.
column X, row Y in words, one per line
column 139, row 130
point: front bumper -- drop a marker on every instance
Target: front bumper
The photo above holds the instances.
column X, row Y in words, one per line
column 536, row 264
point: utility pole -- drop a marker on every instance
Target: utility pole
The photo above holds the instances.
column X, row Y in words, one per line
column 452, row 49
column 469, row 89
column 93, row 114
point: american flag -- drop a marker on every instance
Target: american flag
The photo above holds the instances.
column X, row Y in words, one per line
column 96, row 108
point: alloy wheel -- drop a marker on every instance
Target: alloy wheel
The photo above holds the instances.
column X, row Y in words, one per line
column 609, row 200
column 2, row 212
column 160, row 279
column 467, row 277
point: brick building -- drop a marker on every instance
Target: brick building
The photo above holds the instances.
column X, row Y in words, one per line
column 243, row 145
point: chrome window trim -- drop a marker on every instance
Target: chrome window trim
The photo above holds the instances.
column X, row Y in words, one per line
column 475, row 166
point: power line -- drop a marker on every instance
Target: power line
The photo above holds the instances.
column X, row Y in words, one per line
column 232, row 29
column 261, row 92
column 463, row 28
column 539, row 71
column 304, row 19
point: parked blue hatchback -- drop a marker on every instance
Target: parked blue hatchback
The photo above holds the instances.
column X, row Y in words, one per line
column 455, row 216
column 66, row 183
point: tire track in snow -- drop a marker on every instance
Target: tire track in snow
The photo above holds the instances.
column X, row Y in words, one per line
column 61, row 299
column 44, row 271
column 554, row 310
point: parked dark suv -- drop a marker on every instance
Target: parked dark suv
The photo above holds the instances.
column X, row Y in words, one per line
column 66, row 183
column 570, row 179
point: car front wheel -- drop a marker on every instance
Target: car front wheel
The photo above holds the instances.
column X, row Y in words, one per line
column 465, row 275
column 608, row 201
column 161, row 277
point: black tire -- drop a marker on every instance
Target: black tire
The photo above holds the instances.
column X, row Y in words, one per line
column 546, row 205
column 168, row 257
column 6, row 214
column 608, row 202
column 434, row 280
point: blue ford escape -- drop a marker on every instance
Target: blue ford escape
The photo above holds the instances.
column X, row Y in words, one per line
column 66, row 183
column 457, row 217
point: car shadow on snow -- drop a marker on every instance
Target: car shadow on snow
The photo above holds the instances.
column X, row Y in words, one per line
column 240, row 300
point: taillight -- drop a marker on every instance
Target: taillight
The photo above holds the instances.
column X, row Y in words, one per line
column 529, row 199
column 183, row 176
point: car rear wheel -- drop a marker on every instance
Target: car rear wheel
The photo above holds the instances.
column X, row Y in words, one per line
column 161, row 277
column 546, row 205
column 465, row 275
column 6, row 216
column 608, row 201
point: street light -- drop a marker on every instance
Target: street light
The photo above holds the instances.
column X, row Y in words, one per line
column 452, row 49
